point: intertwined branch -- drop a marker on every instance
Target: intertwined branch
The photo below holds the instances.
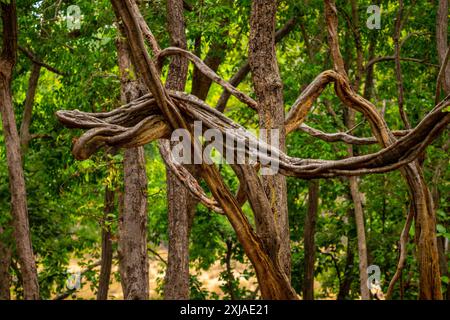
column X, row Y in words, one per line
column 141, row 122
column 156, row 114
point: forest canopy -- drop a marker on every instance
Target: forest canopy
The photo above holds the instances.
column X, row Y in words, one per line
column 312, row 136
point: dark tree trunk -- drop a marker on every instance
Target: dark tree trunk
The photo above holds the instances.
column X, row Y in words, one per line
column 229, row 275
column 269, row 91
column 107, row 250
column 13, row 154
column 201, row 83
column 442, row 40
column 309, row 232
column 344, row 288
column 181, row 206
column 5, row 262
column 442, row 47
column 133, row 258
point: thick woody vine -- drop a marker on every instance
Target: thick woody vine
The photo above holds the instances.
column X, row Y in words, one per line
column 155, row 115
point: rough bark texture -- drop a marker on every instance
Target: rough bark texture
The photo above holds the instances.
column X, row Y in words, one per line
column 13, row 154
column 133, row 259
column 442, row 40
column 181, row 206
column 25, row 136
column 5, row 262
column 243, row 71
column 269, row 90
column 176, row 286
column 107, row 250
column 442, row 48
column 309, row 232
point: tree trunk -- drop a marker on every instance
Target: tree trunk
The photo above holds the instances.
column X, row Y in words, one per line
column 5, row 262
column 269, row 91
column 361, row 233
column 344, row 288
column 201, row 83
column 181, row 206
column 133, row 258
column 107, row 251
column 425, row 221
column 309, row 232
column 243, row 71
column 25, row 136
column 12, row 142
column 442, row 40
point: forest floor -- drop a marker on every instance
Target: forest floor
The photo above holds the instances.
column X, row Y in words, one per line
column 209, row 279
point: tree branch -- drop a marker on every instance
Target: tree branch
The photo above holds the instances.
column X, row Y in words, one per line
column 39, row 62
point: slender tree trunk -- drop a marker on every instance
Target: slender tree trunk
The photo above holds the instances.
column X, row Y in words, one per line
column 181, row 206
column 25, row 136
column 353, row 181
column 201, row 83
column 443, row 263
column 442, row 47
column 133, row 258
column 5, row 262
column 107, row 251
column 310, row 231
column 442, row 40
column 344, row 288
column 230, row 276
column 16, row 176
column 361, row 233
column 269, row 91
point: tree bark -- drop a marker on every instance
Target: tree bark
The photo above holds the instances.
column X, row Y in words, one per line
column 13, row 154
column 107, row 251
column 309, row 232
column 442, row 40
column 269, row 91
column 353, row 181
column 344, row 288
column 133, row 258
column 201, row 83
column 181, row 206
column 442, row 47
column 243, row 71
column 25, row 136
column 361, row 234
column 5, row 262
